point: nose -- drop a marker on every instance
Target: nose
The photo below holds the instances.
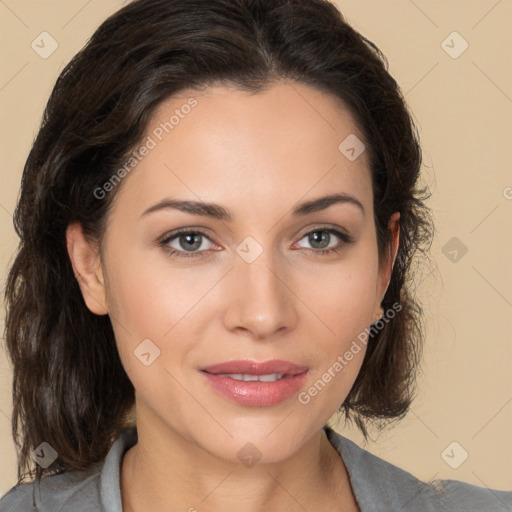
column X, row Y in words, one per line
column 262, row 303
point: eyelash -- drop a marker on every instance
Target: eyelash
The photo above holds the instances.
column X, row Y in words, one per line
column 344, row 237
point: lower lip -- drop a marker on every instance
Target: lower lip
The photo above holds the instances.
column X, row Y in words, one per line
column 256, row 393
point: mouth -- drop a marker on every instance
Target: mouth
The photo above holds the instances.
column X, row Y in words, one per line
column 256, row 384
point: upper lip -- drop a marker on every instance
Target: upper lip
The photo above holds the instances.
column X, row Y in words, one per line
column 256, row 368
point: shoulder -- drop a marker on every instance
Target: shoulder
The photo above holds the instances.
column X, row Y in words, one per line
column 94, row 489
column 78, row 489
column 380, row 485
column 462, row 496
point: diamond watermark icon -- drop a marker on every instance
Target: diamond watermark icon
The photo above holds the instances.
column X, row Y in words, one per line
column 249, row 455
column 352, row 147
column 44, row 455
column 454, row 45
column 249, row 249
column 146, row 352
column 454, row 249
column 454, row 455
column 44, row 45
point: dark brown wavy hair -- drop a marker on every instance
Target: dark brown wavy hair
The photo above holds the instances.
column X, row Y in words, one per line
column 69, row 386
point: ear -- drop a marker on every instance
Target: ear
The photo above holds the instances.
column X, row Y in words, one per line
column 387, row 263
column 86, row 263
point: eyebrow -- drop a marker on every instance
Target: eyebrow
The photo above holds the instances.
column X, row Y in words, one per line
column 219, row 212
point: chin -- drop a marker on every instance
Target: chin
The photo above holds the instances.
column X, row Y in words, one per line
column 269, row 443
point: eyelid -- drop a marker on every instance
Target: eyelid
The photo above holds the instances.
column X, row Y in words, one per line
column 171, row 235
column 344, row 237
column 337, row 230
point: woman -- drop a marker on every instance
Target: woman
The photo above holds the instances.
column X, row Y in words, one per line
column 217, row 221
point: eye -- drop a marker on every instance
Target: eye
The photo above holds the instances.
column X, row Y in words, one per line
column 322, row 240
column 186, row 243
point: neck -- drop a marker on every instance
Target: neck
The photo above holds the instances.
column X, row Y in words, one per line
column 179, row 475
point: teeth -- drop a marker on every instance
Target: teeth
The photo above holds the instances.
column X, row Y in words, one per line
column 271, row 377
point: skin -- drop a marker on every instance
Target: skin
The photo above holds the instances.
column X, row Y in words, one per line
column 256, row 155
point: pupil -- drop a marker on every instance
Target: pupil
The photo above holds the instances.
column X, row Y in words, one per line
column 321, row 237
column 192, row 239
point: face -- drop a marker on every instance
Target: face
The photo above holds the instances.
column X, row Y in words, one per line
column 269, row 280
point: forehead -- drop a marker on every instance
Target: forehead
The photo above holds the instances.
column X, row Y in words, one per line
column 252, row 151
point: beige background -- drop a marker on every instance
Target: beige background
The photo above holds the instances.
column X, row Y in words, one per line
column 464, row 110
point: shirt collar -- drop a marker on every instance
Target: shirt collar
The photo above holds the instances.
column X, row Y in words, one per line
column 380, row 485
column 376, row 484
column 110, row 478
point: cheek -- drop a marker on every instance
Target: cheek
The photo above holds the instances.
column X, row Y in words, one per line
column 149, row 295
column 342, row 298
column 343, row 293
column 151, row 298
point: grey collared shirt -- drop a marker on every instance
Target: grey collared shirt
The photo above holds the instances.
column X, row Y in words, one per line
column 378, row 486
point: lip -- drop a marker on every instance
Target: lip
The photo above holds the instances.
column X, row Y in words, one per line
column 255, row 393
column 255, row 368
